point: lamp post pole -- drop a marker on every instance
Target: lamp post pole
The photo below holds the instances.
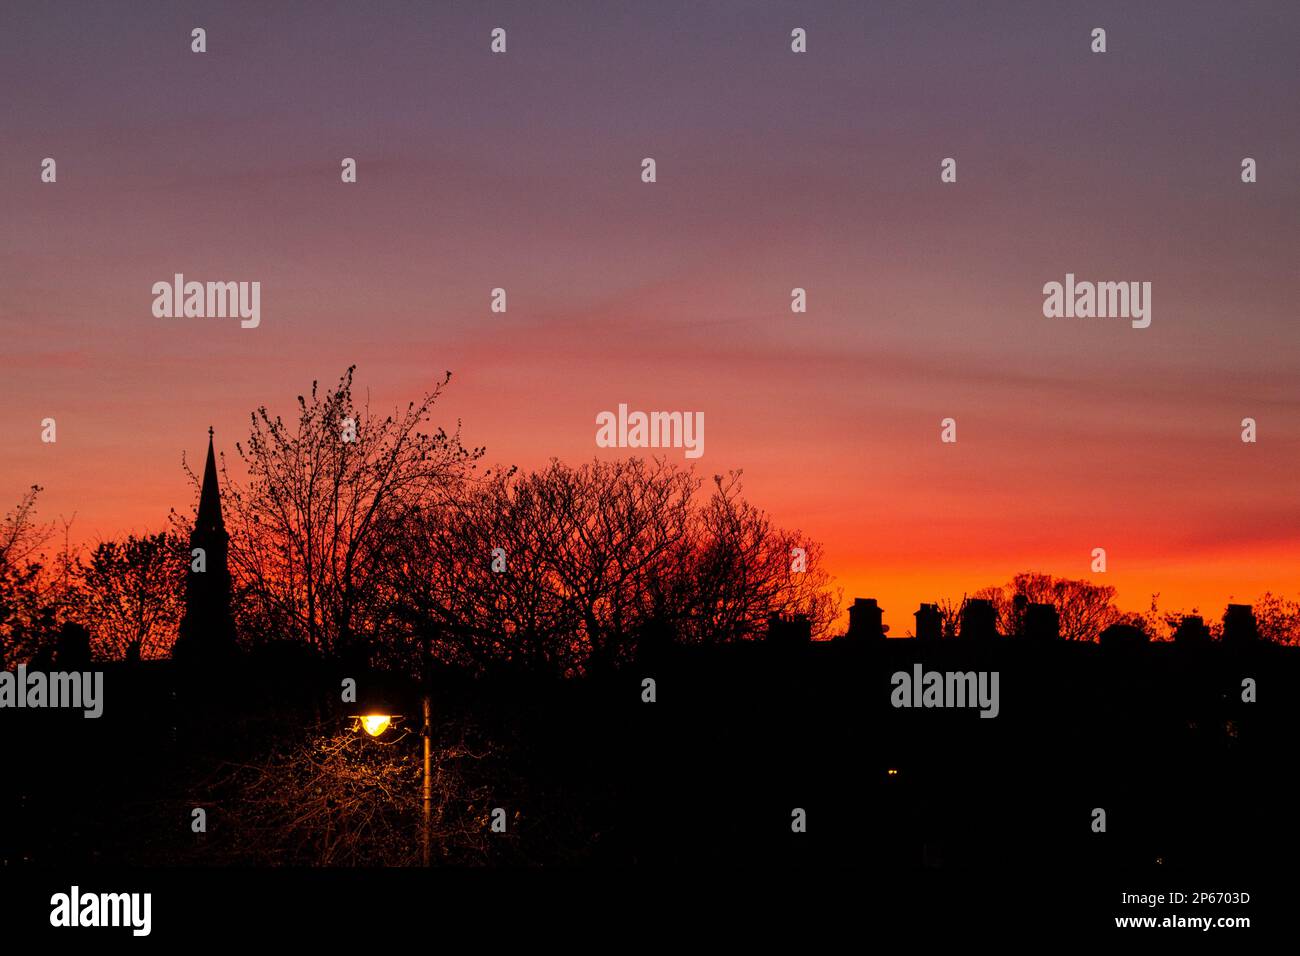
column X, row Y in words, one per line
column 375, row 724
column 428, row 776
column 428, row 752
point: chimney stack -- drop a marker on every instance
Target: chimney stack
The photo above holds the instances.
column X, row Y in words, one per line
column 979, row 620
column 929, row 623
column 865, row 620
column 1239, row 625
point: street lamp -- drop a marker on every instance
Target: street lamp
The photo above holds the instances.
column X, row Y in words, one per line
column 377, row 722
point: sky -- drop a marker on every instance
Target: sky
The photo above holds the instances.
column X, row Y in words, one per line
column 775, row 170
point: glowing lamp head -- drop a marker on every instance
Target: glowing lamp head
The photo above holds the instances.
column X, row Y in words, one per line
column 376, row 724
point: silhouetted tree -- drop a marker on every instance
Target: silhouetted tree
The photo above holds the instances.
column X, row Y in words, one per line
column 1278, row 619
column 569, row 568
column 27, row 612
column 321, row 500
column 134, row 595
column 950, row 615
column 343, row 799
column 746, row 570
column 1085, row 609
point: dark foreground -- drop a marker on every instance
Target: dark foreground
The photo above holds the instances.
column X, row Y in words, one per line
column 712, row 772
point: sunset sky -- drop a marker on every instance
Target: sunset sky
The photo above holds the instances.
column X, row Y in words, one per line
column 775, row 170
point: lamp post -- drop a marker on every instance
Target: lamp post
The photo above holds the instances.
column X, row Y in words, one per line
column 375, row 724
column 428, row 774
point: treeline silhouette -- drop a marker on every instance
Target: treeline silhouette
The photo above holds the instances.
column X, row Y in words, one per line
column 370, row 538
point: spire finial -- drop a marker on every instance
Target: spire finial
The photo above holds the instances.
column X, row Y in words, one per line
column 209, row 431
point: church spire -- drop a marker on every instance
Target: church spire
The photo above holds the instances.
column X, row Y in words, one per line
column 207, row 631
column 209, row 516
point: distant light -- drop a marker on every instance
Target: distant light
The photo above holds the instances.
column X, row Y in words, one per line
column 893, row 772
column 376, row 724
